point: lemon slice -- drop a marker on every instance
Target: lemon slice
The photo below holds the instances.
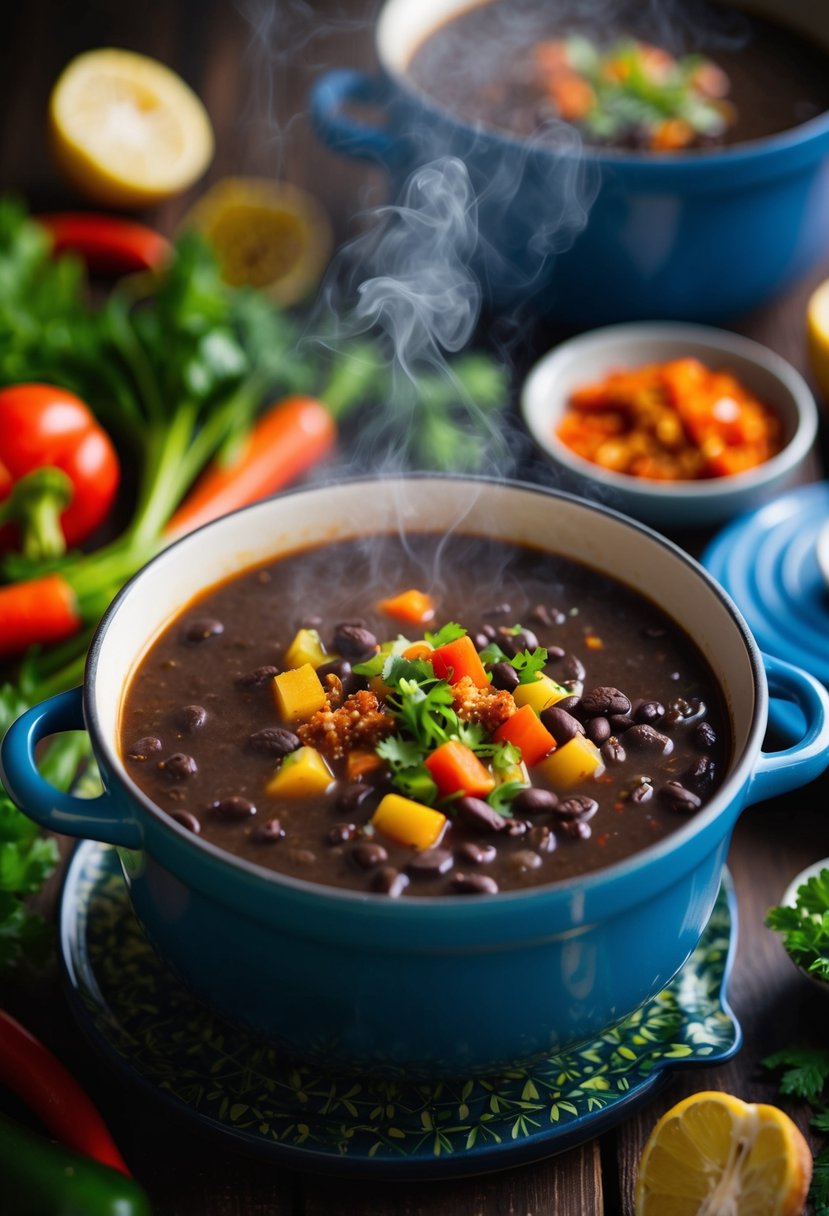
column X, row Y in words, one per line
column 817, row 335
column 126, row 130
column 713, row 1155
column 266, row 234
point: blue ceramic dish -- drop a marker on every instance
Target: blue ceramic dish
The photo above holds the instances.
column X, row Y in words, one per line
column 424, row 987
column 594, row 237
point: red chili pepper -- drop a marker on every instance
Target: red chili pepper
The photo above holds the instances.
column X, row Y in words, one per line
column 43, row 427
column 107, row 244
column 32, row 1072
column 287, row 440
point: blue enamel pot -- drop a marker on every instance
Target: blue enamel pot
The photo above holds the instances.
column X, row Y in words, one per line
column 587, row 236
column 432, row 986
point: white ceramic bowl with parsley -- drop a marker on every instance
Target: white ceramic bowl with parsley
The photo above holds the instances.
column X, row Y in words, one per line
column 802, row 920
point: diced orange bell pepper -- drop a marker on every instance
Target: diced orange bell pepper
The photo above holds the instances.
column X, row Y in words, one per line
column 458, row 659
column 413, row 606
column 457, row 770
column 526, row 731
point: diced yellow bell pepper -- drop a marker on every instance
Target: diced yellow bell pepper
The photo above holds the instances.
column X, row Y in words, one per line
column 540, row 693
column 516, row 772
column 302, row 774
column 571, row 763
column 408, row 822
column 298, row 692
column 306, row 648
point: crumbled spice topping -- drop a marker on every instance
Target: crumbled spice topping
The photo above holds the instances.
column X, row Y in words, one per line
column 359, row 721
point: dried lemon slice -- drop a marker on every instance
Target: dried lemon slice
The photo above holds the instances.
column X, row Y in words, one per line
column 817, row 333
column 713, row 1155
column 126, row 130
column 266, row 234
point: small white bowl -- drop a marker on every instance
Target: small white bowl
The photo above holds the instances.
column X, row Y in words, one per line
column 590, row 356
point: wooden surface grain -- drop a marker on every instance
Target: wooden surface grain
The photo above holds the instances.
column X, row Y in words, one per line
column 252, row 63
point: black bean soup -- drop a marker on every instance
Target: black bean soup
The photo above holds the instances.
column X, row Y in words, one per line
column 506, row 719
column 723, row 78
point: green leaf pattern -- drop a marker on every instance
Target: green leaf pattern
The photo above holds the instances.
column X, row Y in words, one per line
column 232, row 1079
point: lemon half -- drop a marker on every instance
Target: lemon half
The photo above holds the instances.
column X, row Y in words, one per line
column 714, row 1155
column 266, row 234
column 817, row 335
column 127, row 131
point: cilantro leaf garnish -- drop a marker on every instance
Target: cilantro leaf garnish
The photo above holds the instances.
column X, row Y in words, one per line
column 501, row 797
column 447, row 633
column 804, row 926
column 492, row 654
column 529, row 663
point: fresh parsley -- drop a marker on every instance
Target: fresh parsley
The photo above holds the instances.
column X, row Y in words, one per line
column 806, row 1075
column 449, row 632
column 804, row 926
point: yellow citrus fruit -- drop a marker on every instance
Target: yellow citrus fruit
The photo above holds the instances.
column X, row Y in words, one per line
column 817, row 334
column 714, row 1155
column 266, row 234
column 127, row 131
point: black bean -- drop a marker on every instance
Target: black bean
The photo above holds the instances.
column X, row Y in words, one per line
column 341, row 833
column 642, row 791
column 649, row 712
column 192, row 718
column 577, row 829
column 341, row 668
column 178, row 766
column 505, row 676
column 187, row 821
column 430, row 863
column 542, row 838
column 473, row 884
column 514, row 643
column 516, row 827
column 577, row 806
column 354, row 642
column 643, row 738
column 571, row 705
column 202, row 629
column 314, row 621
column 489, row 631
column 534, row 801
column 477, row 854
column 478, row 815
column 268, row 832
column 273, row 741
column 554, row 653
column 613, row 752
column 388, row 881
column 684, row 712
column 480, row 640
column 604, row 701
column 700, row 775
column 367, row 854
column 704, row 734
column 234, row 807
column 562, row 725
column 303, row 857
column 143, row 748
column 540, row 614
column 597, row 730
column 523, row 860
column 572, row 670
column 619, row 723
column 678, row 798
column 355, row 794
column 502, row 609
column 258, row 678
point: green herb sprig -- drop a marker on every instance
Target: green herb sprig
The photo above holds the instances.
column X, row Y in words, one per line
column 804, row 925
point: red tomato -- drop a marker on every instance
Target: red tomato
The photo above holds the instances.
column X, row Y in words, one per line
column 41, row 426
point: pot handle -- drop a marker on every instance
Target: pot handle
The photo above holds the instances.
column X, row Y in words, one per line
column 330, row 97
column 98, row 818
column 780, row 771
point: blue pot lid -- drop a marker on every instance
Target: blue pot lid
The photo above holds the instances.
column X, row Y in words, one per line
column 767, row 562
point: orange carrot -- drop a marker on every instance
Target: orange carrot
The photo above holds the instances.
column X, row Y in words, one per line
column 287, row 440
column 526, row 731
column 418, row 650
column 458, row 659
column 40, row 610
column 457, row 770
column 359, row 763
column 413, row 606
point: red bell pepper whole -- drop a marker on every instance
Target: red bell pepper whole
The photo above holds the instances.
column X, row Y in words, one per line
column 43, row 426
column 106, row 243
column 29, row 1069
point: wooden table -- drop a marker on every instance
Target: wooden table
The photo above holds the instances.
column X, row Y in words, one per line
column 253, row 67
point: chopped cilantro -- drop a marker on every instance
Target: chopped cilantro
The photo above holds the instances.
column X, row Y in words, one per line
column 492, row 654
column 447, row 633
column 529, row 663
column 501, row 797
column 805, row 926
